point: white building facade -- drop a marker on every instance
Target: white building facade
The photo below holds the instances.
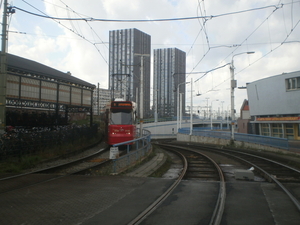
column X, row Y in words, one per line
column 274, row 104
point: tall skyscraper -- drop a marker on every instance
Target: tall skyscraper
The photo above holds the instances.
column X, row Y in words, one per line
column 129, row 64
column 169, row 72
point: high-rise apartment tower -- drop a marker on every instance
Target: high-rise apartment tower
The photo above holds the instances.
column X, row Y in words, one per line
column 169, row 72
column 129, row 64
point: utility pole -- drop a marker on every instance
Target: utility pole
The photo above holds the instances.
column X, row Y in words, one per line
column 98, row 101
column 3, row 65
column 179, row 107
column 233, row 85
column 142, row 91
column 191, row 109
column 142, row 96
column 156, row 111
column 3, row 70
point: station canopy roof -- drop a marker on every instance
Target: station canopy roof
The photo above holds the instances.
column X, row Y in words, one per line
column 16, row 63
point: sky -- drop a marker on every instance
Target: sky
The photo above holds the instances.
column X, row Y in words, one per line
column 224, row 32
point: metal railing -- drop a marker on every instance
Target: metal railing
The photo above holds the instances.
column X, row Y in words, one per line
column 140, row 147
column 281, row 143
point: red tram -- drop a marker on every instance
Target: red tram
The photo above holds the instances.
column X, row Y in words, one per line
column 121, row 121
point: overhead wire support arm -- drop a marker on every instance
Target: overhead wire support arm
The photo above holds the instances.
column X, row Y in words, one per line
column 205, row 73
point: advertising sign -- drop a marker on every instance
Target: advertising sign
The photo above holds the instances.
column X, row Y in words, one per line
column 289, row 118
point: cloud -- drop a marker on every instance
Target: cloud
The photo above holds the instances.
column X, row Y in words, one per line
column 81, row 47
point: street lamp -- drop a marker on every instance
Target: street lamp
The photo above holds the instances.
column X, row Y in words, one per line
column 206, row 108
column 211, row 127
column 232, row 86
column 222, row 115
column 156, row 99
column 191, row 109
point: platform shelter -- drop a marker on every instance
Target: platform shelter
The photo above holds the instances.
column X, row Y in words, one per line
column 33, row 86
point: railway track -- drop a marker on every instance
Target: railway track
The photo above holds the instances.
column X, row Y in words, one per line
column 80, row 165
column 195, row 166
column 271, row 170
column 176, row 200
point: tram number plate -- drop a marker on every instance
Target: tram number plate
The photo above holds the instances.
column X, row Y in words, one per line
column 114, row 153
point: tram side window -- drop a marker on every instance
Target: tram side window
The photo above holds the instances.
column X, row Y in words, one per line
column 293, row 83
column 121, row 118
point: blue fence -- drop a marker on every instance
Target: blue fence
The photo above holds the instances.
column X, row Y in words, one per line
column 282, row 143
column 141, row 146
column 251, row 138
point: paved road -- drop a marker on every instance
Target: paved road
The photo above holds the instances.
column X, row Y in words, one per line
column 116, row 200
column 78, row 199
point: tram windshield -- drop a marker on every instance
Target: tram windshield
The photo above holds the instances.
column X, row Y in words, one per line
column 121, row 118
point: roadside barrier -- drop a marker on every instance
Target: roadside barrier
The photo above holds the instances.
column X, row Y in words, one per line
column 135, row 152
column 281, row 143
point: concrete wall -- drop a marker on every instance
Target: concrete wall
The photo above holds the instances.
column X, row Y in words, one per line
column 224, row 142
column 169, row 129
column 164, row 129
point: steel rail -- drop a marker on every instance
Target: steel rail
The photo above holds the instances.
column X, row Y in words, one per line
column 156, row 203
column 53, row 168
column 269, row 160
column 80, row 171
column 293, row 199
column 219, row 209
column 220, row 205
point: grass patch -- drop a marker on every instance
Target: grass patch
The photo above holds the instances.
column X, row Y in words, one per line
column 231, row 144
column 9, row 168
column 23, row 163
column 163, row 169
column 140, row 162
column 29, row 162
column 19, row 163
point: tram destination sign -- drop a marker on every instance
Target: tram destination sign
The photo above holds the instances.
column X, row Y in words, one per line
column 121, row 105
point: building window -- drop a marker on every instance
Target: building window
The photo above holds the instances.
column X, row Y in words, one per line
column 289, row 130
column 277, row 130
column 293, row 83
column 265, row 129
